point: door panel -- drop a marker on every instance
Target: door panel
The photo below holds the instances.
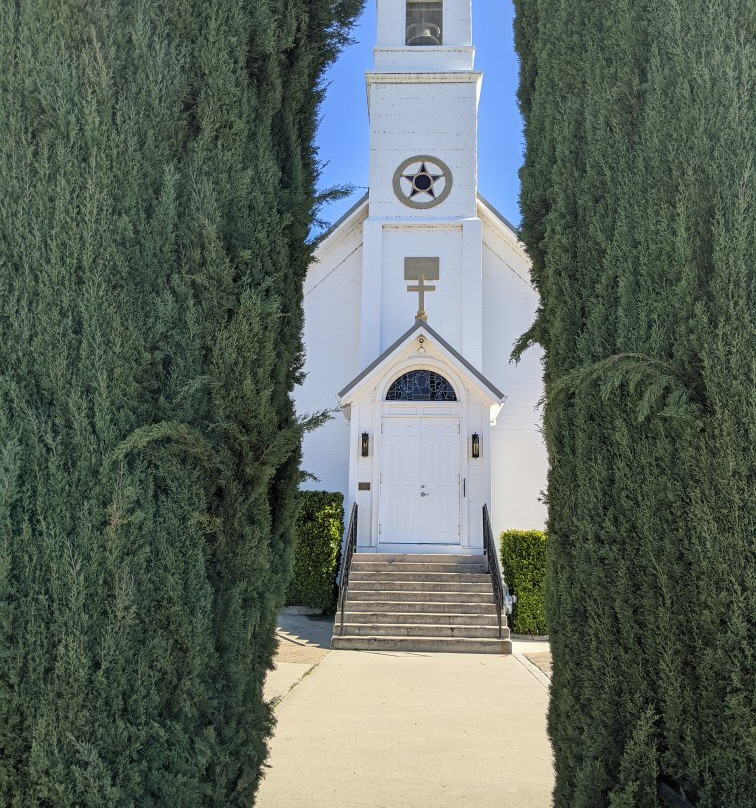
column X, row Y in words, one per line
column 400, row 479
column 420, row 481
column 439, row 472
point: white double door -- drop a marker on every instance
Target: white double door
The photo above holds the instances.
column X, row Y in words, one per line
column 420, row 481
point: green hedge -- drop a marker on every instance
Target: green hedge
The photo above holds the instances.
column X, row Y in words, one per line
column 523, row 561
column 319, row 528
column 158, row 188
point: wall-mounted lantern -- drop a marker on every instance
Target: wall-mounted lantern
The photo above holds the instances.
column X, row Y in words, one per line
column 365, row 444
column 475, row 444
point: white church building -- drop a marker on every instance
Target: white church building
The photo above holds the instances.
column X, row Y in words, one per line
column 412, row 306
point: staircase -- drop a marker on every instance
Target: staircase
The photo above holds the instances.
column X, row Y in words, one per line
column 420, row 603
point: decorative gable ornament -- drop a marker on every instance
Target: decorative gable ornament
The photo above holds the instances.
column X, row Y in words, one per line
column 422, row 181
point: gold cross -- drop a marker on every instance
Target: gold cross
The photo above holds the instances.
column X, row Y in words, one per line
column 421, row 289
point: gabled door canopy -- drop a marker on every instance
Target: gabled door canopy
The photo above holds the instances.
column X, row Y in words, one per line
column 433, row 348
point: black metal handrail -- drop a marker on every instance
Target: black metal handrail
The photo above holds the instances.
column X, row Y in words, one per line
column 501, row 591
column 350, row 544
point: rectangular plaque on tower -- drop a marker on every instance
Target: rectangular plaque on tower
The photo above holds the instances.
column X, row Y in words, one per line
column 415, row 267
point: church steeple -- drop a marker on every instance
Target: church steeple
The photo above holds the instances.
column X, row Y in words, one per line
column 431, row 35
column 423, row 106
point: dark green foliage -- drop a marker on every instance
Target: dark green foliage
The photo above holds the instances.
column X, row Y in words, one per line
column 637, row 194
column 320, row 525
column 523, row 562
column 157, row 189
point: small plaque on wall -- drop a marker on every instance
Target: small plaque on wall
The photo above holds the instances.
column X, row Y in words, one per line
column 363, row 486
column 415, row 267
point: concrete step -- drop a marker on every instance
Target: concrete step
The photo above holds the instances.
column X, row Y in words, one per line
column 420, row 630
column 484, row 596
column 428, row 606
column 434, row 577
column 418, row 586
column 421, row 603
column 402, row 567
column 445, row 618
column 422, row 644
column 426, row 558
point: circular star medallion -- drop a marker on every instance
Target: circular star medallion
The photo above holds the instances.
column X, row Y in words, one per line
column 422, row 181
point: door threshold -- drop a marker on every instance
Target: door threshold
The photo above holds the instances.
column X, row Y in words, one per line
column 430, row 549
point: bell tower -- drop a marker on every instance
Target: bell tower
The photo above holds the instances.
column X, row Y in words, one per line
column 422, row 226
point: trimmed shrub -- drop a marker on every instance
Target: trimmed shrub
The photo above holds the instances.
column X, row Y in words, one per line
column 523, row 561
column 637, row 200
column 317, row 542
column 158, row 189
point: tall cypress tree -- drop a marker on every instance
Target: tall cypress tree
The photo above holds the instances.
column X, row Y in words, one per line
column 637, row 196
column 157, row 190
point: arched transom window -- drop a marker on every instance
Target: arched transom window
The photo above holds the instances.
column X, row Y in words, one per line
column 421, row 385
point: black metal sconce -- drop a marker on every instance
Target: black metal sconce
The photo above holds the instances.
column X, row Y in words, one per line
column 475, row 444
column 365, row 444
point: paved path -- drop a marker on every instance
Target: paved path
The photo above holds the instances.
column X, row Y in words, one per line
column 303, row 641
column 411, row 730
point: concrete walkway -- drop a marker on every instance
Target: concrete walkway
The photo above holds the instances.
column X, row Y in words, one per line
column 411, row 730
column 303, row 641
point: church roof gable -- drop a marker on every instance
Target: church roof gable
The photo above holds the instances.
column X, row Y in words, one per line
column 496, row 220
column 489, row 213
column 344, row 222
column 421, row 326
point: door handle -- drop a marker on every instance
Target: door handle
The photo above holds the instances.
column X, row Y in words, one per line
column 423, row 494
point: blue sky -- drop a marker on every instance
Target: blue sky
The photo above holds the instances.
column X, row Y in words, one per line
column 343, row 134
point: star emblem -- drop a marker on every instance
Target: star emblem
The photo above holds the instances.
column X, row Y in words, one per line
column 422, row 181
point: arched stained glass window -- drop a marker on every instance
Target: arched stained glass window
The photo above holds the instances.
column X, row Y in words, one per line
column 421, row 385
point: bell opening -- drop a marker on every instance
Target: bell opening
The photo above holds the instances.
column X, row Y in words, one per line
column 424, row 23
